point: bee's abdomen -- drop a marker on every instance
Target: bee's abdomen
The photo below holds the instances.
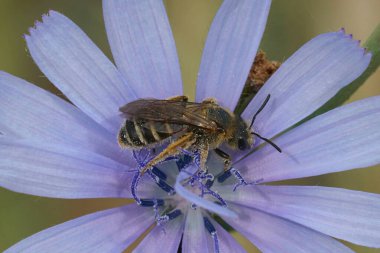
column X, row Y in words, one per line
column 137, row 134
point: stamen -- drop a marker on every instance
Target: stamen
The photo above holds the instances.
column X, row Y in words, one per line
column 224, row 176
column 161, row 183
column 166, row 187
column 151, row 202
column 209, row 183
column 174, row 214
column 168, row 217
column 211, row 229
column 157, row 172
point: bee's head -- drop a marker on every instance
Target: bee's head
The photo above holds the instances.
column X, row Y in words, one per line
column 242, row 139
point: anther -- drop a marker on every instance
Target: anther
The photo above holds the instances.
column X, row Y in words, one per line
column 209, row 183
column 168, row 217
column 161, row 183
column 174, row 214
column 166, row 187
column 151, row 202
column 211, row 229
column 224, row 176
column 157, row 172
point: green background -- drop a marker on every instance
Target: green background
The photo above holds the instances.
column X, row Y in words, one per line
column 291, row 23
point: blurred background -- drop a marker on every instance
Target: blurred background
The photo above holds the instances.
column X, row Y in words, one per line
column 291, row 23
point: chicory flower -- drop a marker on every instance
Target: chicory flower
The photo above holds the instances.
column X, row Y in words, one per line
column 53, row 148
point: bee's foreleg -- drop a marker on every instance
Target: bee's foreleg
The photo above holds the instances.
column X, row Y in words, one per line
column 226, row 158
column 173, row 149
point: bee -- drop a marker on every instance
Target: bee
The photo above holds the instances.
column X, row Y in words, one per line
column 197, row 127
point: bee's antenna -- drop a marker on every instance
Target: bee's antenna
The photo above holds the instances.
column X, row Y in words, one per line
column 260, row 109
column 268, row 141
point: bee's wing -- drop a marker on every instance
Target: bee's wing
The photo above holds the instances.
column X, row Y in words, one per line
column 168, row 111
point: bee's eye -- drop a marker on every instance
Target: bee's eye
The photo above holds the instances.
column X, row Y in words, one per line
column 242, row 144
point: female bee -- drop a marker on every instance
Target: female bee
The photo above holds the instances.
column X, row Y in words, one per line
column 197, row 127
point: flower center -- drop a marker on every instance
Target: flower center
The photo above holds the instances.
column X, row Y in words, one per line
column 194, row 187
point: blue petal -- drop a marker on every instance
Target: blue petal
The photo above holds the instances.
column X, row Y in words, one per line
column 165, row 238
column 195, row 237
column 27, row 111
column 308, row 79
column 349, row 215
column 74, row 64
column 199, row 201
column 60, row 171
column 111, row 230
column 272, row 234
column 230, row 49
column 341, row 139
column 143, row 46
column 226, row 241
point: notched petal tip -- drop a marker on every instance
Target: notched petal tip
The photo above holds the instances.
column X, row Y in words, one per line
column 356, row 43
column 368, row 53
column 45, row 19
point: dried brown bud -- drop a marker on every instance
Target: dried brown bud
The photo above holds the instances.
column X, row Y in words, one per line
column 261, row 70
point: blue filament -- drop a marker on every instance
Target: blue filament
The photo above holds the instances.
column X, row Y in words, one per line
column 135, row 180
column 233, row 171
column 242, row 181
column 215, row 195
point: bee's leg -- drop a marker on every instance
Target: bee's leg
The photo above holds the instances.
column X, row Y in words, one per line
column 178, row 98
column 203, row 155
column 226, row 158
column 174, row 148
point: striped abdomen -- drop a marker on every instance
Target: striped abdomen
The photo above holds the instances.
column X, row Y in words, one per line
column 138, row 133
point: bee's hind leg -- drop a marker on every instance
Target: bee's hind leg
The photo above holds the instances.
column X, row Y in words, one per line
column 226, row 158
column 172, row 149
